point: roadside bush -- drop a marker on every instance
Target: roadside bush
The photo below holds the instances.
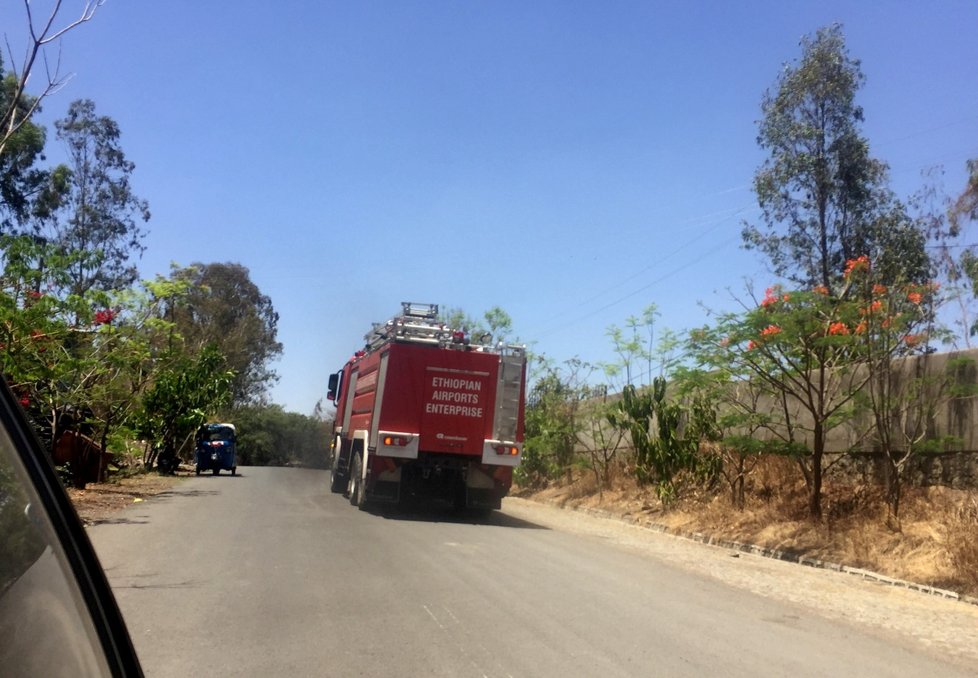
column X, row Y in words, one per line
column 962, row 545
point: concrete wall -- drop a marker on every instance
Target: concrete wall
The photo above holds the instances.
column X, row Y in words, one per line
column 951, row 419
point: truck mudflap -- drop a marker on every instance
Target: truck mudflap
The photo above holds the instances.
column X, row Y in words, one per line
column 385, row 480
column 485, row 486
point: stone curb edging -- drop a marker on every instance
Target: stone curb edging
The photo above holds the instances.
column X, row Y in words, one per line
column 777, row 554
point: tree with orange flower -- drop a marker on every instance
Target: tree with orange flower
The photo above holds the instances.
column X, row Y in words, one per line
column 904, row 390
column 821, row 359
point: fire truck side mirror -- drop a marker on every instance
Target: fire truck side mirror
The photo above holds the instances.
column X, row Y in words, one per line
column 333, row 385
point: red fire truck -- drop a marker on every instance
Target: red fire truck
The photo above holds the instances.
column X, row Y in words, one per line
column 426, row 411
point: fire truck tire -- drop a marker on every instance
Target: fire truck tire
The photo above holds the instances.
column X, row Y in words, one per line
column 337, row 483
column 337, row 479
column 357, row 490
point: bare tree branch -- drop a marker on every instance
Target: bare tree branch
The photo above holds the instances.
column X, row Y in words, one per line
column 14, row 117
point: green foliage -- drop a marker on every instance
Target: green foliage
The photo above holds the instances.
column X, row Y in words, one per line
column 498, row 323
column 269, row 436
column 20, row 179
column 224, row 308
column 635, row 346
column 115, row 364
column 550, row 429
column 495, row 325
column 666, row 435
column 182, row 397
column 48, row 343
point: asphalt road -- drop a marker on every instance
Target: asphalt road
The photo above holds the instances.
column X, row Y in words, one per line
column 269, row 574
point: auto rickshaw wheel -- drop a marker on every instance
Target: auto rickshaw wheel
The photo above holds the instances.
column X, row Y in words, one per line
column 234, row 470
column 216, row 471
column 197, row 470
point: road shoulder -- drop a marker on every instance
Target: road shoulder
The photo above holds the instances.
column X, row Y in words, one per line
column 945, row 627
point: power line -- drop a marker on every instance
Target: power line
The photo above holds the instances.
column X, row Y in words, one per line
column 928, row 130
column 658, row 280
column 726, row 215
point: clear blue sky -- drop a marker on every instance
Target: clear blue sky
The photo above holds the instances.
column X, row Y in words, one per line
column 570, row 162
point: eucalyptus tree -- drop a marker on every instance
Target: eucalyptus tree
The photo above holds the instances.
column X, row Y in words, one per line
column 965, row 208
column 824, row 199
column 962, row 266
column 100, row 213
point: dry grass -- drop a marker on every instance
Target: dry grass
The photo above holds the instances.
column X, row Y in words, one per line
column 961, row 536
column 98, row 502
column 935, row 542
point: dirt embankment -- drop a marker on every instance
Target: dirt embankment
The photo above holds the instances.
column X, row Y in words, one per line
column 98, row 502
column 934, row 542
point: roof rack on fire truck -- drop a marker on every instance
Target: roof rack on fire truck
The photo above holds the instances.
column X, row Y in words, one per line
column 417, row 323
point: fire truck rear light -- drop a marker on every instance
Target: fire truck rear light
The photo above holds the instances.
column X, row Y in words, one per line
column 397, row 441
column 507, row 450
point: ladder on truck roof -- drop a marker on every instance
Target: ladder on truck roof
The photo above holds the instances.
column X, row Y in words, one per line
column 417, row 323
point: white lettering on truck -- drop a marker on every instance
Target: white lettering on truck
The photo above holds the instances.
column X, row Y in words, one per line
column 447, row 382
column 454, row 410
column 455, row 396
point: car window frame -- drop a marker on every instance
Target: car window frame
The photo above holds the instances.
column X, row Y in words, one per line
column 85, row 568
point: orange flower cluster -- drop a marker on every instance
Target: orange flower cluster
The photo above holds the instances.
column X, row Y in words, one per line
column 875, row 307
column 770, row 297
column 912, row 340
column 838, row 329
column 915, row 298
column 857, row 264
column 821, row 289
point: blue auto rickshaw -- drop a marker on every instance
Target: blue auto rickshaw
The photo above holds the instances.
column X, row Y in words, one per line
column 215, row 448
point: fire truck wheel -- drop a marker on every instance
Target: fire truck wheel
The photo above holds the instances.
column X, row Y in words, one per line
column 337, row 483
column 357, row 490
